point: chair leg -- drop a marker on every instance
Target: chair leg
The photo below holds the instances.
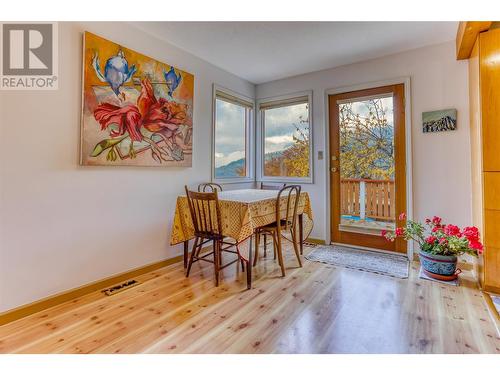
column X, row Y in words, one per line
column 249, row 266
column 256, row 255
column 265, row 245
column 296, row 246
column 275, row 246
column 220, row 254
column 280, row 253
column 301, row 233
column 200, row 245
column 216, row 261
column 193, row 252
column 186, row 253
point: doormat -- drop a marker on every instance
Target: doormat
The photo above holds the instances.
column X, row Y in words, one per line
column 361, row 259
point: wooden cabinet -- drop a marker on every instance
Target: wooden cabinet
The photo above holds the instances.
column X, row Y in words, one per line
column 484, row 97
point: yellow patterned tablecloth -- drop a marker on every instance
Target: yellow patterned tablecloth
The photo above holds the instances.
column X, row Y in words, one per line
column 242, row 211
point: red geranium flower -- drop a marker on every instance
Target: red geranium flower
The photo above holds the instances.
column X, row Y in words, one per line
column 399, row 231
column 476, row 245
column 402, row 216
column 436, row 220
column 452, row 230
column 430, row 240
column 383, row 233
column 471, row 233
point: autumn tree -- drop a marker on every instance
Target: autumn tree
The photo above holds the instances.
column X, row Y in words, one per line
column 294, row 160
column 366, row 141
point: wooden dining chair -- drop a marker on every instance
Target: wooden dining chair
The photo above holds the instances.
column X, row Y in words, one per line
column 205, row 214
column 286, row 219
column 264, row 186
column 209, row 187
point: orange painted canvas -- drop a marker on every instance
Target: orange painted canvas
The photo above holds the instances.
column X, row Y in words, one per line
column 136, row 110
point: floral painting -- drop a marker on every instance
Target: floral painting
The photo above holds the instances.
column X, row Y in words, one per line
column 136, row 110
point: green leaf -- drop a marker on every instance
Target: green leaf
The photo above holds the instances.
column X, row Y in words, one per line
column 111, row 156
column 105, row 144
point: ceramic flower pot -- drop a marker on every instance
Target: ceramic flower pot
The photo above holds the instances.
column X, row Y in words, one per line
column 444, row 265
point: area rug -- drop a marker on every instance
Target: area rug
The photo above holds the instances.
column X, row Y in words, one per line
column 360, row 259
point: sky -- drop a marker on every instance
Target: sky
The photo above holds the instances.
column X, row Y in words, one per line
column 229, row 133
column 279, row 126
column 361, row 108
column 230, row 130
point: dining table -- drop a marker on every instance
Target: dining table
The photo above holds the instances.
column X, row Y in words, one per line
column 242, row 211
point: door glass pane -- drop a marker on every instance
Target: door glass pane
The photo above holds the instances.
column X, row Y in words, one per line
column 367, row 188
column 230, row 140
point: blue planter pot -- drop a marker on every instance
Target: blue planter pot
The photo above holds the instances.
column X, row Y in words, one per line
column 445, row 265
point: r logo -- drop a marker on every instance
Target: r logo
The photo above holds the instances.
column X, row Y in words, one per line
column 27, row 49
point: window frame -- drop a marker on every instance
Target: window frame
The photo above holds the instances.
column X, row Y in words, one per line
column 261, row 138
column 249, row 135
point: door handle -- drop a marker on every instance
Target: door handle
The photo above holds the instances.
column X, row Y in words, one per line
column 333, row 169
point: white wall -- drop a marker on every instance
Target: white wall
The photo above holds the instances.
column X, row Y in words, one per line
column 441, row 161
column 63, row 225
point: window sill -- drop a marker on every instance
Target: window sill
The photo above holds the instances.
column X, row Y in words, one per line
column 287, row 180
column 224, row 181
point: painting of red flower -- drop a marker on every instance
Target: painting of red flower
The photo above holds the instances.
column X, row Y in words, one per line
column 136, row 110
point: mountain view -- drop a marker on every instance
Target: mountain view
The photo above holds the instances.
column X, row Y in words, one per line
column 234, row 168
column 231, row 169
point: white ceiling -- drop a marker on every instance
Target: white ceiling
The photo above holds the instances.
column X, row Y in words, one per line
column 265, row 51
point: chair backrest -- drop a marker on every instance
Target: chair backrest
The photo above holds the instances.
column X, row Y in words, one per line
column 209, row 187
column 205, row 214
column 287, row 217
column 264, row 186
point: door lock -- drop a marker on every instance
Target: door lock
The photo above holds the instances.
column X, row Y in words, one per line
column 334, row 169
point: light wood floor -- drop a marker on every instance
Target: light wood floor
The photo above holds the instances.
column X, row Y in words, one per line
column 315, row 309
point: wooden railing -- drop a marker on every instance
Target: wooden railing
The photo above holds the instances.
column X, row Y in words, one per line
column 368, row 198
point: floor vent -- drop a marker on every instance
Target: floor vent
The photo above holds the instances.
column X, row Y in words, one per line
column 120, row 287
column 310, row 244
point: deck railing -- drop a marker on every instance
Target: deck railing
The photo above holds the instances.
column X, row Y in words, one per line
column 368, row 198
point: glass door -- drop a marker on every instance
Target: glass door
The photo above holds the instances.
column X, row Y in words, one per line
column 367, row 165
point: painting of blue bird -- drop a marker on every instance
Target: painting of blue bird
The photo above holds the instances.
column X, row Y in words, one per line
column 116, row 71
column 172, row 80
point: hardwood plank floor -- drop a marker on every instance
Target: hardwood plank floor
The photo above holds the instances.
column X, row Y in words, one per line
column 314, row 309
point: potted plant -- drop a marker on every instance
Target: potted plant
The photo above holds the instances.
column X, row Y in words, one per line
column 440, row 244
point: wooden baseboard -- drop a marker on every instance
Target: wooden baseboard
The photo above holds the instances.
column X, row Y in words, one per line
column 492, row 309
column 492, row 289
column 45, row 303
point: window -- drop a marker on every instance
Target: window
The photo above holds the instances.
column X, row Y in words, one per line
column 286, row 134
column 232, row 130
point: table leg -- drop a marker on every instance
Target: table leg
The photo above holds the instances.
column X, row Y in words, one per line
column 249, row 265
column 186, row 251
column 301, row 233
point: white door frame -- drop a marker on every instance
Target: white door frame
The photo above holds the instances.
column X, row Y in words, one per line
column 409, row 187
